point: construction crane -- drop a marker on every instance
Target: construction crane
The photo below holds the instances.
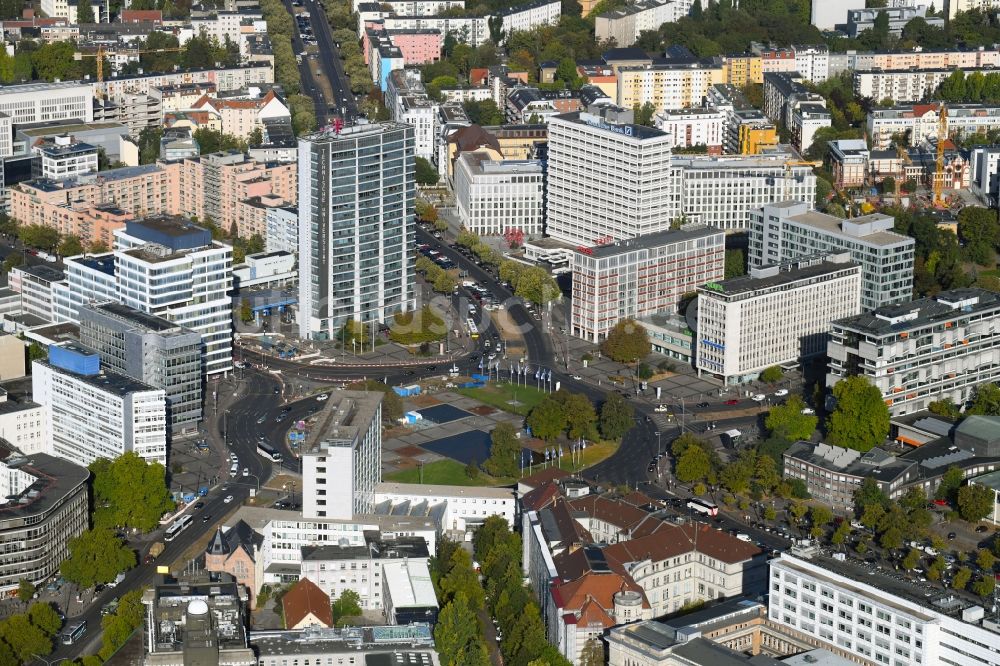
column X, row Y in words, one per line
column 100, row 56
column 942, row 136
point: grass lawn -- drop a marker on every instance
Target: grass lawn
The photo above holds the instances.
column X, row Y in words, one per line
column 444, row 472
column 992, row 273
column 501, row 396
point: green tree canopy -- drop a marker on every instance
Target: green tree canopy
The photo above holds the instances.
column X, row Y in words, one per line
column 627, row 342
column 347, row 605
column 581, row 419
column 788, row 422
column 505, row 451
column 129, row 492
column 986, row 400
column 96, row 556
column 23, row 639
column 616, row 417
column 975, row 502
column 861, row 418
column 426, row 174
column 772, row 374
column 39, row 236
column 547, row 420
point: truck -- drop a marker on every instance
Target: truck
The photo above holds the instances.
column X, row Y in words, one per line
column 154, row 551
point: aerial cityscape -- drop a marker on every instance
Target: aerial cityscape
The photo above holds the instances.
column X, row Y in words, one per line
column 499, row 333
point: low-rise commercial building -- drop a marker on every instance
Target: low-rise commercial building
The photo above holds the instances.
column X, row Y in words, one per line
column 43, row 505
column 784, row 231
column 494, row 196
column 410, row 644
column 641, row 276
column 463, row 508
column 832, row 474
column 777, row 315
column 921, row 351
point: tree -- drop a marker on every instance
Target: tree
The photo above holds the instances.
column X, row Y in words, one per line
column 975, row 502
column 911, row 560
column 85, row 12
column 96, row 556
column 772, row 374
column 985, row 400
column 581, row 418
column 129, row 492
column 944, row 407
column 495, row 25
column 627, row 342
column 37, row 352
column 644, row 114
column 348, row 604
column 736, row 264
column 985, row 586
column 426, row 174
column 694, row 464
column 798, row 511
column 961, row 579
column 547, row 420
column 616, row 417
column 951, row 480
column 505, row 451
column 861, row 418
column 593, row 650
column 840, row 534
column 25, row 590
column 789, row 423
column 45, row 617
column 820, row 514
column 985, row 559
column 472, row 469
column 888, row 185
column 535, row 284
column 39, row 236
column 24, row 639
column 891, row 539
column 454, row 632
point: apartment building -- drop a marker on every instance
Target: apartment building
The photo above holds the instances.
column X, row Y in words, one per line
column 920, row 122
column 357, row 184
column 867, row 615
column 420, row 112
column 984, row 178
column 777, row 315
column 747, row 131
column 63, row 157
column 693, row 127
column 342, row 457
column 117, row 89
column 956, row 6
column 674, row 85
column 152, row 350
column 45, row 505
column 916, row 59
column 904, row 85
column 493, row 196
column 784, row 93
column 919, row 351
column 472, row 29
column 608, row 180
column 833, row 474
column 93, row 224
column 805, row 121
column 22, row 421
column 626, row 24
column 531, row 15
column 93, row 413
column 240, row 116
column 786, row 230
column 282, row 229
column 742, row 69
column 641, row 276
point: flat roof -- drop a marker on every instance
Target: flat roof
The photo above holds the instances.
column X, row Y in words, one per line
column 787, row 273
column 343, row 420
column 650, row 241
column 835, row 226
column 106, row 381
column 401, row 645
column 945, row 306
column 43, row 272
column 431, row 490
column 876, row 463
column 409, row 584
column 143, row 319
column 55, row 478
column 626, row 130
column 991, row 480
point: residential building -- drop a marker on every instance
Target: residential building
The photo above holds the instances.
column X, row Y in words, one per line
column 531, row 15
column 903, row 85
column 93, row 224
column 689, row 128
column 784, row 231
column 859, row 20
column 807, row 119
column 282, row 229
column 641, row 276
column 37, row 102
column 43, row 505
column 304, row 605
column 152, row 350
column 493, row 196
column 62, row 158
column 411, row 644
column 12, row 349
column 359, row 185
column 848, row 160
column 463, row 508
column 956, row 6
column 673, row 85
column 866, row 614
column 920, row 351
column 92, row 413
column 235, row 551
column 196, row 618
column 832, row 474
column 776, row 316
column 35, row 284
column 338, row 568
column 116, row 89
column 532, row 106
column 828, row 14
column 784, row 93
column 742, row 69
column 626, row 24
column 917, row 123
column 472, row 29
column 342, row 456
column 420, row 112
column 240, row 116
column 746, row 131
column 608, row 181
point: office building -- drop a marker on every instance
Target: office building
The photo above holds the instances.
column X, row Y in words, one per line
column 342, row 456
column 389, row 645
column 92, row 413
column 282, row 229
column 921, row 351
column 197, row 619
column 641, row 276
column 493, row 196
column 43, row 505
column 151, row 349
column 827, row 14
column 38, row 102
column 608, row 181
column 63, row 157
column 355, row 226
column 866, row 614
column 777, row 315
column 462, row 509
column 409, row 592
column 784, row 231
column 859, row 20
column 984, row 162
column 35, row 284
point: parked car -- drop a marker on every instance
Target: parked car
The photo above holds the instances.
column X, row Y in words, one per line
column 781, row 393
column 732, row 402
column 759, row 397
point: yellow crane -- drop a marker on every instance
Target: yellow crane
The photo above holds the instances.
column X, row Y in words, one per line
column 100, row 56
column 942, row 136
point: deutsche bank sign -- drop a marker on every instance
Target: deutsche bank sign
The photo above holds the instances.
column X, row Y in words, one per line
column 617, row 129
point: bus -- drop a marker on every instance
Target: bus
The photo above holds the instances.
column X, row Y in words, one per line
column 473, row 331
column 73, row 633
column 707, row 507
column 177, row 527
column 268, row 452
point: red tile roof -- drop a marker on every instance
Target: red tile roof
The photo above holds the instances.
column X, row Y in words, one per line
column 541, row 476
column 540, row 497
column 304, row 598
column 673, row 540
column 140, row 15
column 613, row 511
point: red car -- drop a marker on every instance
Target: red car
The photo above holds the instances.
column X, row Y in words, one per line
column 732, row 402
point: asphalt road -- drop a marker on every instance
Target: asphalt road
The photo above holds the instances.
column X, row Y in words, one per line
column 310, row 87
column 329, row 56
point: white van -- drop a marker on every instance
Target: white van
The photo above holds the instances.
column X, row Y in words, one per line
column 234, row 470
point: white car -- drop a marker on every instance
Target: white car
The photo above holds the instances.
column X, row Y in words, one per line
column 229, row 498
column 576, row 377
column 246, row 471
column 781, row 393
column 661, row 408
column 808, row 410
column 322, row 396
column 760, row 397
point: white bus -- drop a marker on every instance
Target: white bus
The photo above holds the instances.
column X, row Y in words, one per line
column 707, row 507
column 268, row 452
column 473, row 331
column 177, row 527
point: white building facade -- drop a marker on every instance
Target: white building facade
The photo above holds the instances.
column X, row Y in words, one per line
column 493, row 196
column 693, row 127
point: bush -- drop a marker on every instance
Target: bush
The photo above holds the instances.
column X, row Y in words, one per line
column 772, row 374
column 645, row 372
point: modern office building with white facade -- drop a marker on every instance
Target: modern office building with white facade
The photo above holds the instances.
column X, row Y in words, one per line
column 493, row 196
column 921, row 351
column 641, row 276
column 41, row 102
column 775, row 316
column 342, row 456
column 871, row 616
column 790, row 229
column 93, row 413
column 356, row 196
column 150, row 349
column 608, row 181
